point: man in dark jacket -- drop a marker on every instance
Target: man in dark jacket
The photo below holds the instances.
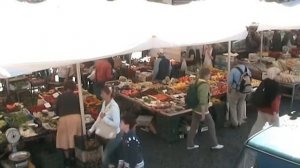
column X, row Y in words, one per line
column 162, row 67
column 131, row 152
column 252, row 39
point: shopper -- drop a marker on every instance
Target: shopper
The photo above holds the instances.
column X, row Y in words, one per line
column 131, row 153
column 162, row 67
column 110, row 114
column 201, row 113
column 69, row 124
column 208, row 58
column 237, row 98
column 268, row 110
column 103, row 73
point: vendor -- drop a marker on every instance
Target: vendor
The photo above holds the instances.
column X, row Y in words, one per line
column 252, row 39
column 103, row 73
column 69, row 124
column 162, row 67
column 276, row 42
column 288, row 39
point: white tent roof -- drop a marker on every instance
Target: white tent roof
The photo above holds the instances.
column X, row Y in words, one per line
column 56, row 33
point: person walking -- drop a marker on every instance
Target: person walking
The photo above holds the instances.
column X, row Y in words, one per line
column 201, row 113
column 110, row 114
column 238, row 90
column 269, row 102
column 131, row 152
column 69, row 124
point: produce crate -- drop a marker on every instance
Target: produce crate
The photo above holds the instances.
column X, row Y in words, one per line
column 85, row 143
column 218, row 113
column 168, row 128
column 88, row 156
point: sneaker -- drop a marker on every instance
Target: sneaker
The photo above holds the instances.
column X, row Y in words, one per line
column 217, row 147
column 193, row 147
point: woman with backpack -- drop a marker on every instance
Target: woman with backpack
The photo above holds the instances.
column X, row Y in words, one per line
column 267, row 100
column 201, row 113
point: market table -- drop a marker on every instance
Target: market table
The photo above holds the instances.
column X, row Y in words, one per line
column 167, row 122
column 294, row 87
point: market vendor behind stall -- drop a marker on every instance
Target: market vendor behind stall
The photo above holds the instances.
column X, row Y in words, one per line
column 103, row 73
column 162, row 67
column 252, row 39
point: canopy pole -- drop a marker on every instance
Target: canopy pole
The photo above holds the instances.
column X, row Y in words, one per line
column 80, row 98
column 228, row 73
column 261, row 43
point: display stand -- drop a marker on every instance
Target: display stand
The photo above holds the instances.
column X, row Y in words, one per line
column 294, row 87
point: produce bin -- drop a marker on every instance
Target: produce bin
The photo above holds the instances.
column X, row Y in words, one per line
column 168, row 127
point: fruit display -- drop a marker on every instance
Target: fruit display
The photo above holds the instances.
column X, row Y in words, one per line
column 185, row 79
column 218, row 75
column 50, row 96
column 162, row 97
column 218, row 88
column 180, row 86
column 130, row 92
column 37, row 108
column 92, row 101
column 13, row 107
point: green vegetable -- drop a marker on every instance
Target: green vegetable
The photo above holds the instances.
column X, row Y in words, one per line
column 2, row 138
column 2, row 124
column 16, row 120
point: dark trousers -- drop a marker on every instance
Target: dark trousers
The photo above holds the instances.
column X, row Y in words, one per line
column 97, row 87
column 196, row 119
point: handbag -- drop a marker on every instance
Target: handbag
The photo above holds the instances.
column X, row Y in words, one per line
column 105, row 130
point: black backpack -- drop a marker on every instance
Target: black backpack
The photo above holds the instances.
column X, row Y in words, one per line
column 191, row 99
column 244, row 85
column 258, row 97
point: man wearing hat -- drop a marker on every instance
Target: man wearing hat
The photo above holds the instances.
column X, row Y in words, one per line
column 252, row 39
column 162, row 66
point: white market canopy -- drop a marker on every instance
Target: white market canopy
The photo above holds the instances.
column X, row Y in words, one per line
column 55, row 32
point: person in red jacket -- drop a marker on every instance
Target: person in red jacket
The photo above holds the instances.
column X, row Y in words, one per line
column 269, row 110
column 103, row 74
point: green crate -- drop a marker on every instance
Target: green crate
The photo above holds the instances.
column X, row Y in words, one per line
column 168, row 128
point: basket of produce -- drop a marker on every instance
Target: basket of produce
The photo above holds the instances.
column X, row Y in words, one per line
column 17, row 119
column 92, row 101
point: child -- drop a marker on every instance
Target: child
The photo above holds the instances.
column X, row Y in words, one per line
column 131, row 147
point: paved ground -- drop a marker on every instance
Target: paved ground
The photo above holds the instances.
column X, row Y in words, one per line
column 159, row 154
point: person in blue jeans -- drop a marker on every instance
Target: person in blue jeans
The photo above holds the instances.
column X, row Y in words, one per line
column 110, row 114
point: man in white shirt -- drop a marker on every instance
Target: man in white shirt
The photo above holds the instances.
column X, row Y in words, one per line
column 64, row 73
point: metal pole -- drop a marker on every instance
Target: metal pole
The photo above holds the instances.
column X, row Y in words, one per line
column 261, row 43
column 80, row 98
column 228, row 73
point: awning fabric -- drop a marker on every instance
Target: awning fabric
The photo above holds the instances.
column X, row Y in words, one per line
column 56, row 33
